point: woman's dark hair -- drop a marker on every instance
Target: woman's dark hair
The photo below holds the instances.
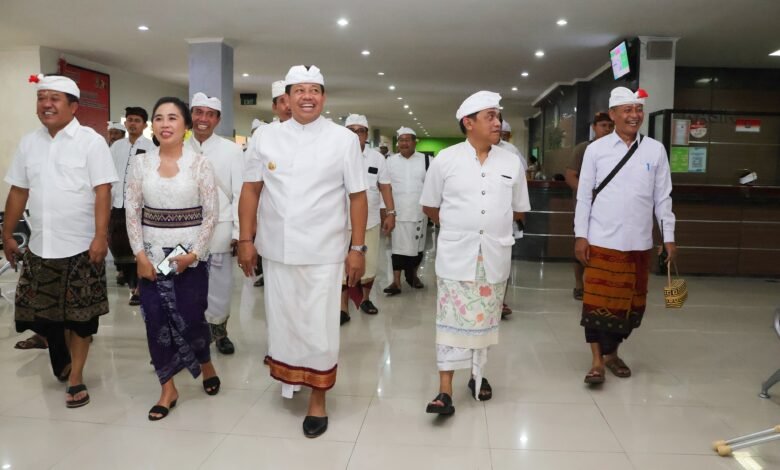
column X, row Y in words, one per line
column 183, row 109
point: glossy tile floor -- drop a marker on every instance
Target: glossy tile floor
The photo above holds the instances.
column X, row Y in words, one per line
column 697, row 372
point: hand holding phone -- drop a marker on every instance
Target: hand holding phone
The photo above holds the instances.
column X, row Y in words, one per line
column 166, row 266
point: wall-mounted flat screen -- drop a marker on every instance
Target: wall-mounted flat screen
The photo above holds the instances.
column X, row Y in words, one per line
column 619, row 58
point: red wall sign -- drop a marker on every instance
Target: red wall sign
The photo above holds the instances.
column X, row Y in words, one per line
column 95, row 102
column 748, row 125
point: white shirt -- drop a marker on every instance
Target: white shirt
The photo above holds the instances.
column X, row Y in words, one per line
column 509, row 146
column 376, row 174
column 121, row 151
column 476, row 205
column 307, row 172
column 407, row 176
column 60, row 174
column 622, row 216
column 227, row 160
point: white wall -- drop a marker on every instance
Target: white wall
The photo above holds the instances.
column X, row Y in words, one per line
column 127, row 88
column 657, row 77
column 18, row 97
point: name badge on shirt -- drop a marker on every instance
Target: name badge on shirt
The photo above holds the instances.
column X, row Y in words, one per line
column 271, row 166
column 373, row 170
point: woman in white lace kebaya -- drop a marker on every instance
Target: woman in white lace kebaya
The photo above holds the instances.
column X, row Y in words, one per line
column 171, row 201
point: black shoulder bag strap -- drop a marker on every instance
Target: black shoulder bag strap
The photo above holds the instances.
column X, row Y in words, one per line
column 427, row 161
column 617, row 168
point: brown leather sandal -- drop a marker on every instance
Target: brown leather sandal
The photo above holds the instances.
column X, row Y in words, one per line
column 618, row 367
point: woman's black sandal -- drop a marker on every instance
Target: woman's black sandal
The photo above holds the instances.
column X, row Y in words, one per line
column 485, row 390
column 161, row 410
column 211, row 385
column 445, row 410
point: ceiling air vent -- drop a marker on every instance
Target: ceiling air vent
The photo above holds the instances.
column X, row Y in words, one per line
column 660, row 50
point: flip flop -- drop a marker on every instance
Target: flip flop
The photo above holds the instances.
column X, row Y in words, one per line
column 64, row 374
column 618, row 367
column 577, row 293
column 595, row 377
column 392, row 290
column 445, row 409
column 33, row 342
column 73, row 391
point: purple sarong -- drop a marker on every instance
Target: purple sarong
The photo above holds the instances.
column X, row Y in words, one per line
column 173, row 308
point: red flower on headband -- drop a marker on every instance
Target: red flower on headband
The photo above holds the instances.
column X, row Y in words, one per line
column 34, row 79
column 641, row 93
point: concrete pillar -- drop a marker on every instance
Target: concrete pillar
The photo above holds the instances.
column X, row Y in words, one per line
column 211, row 72
column 657, row 59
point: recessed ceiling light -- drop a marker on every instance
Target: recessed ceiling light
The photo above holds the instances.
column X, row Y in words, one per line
column 143, row 28
column 366, row 52
column 342, row 22
column 327, row 112
column 410, row 113
column 381, row 74
column 415, row 119
column 514, row 88
column 776, row 53
column 406, row 106
column 245, row 74
column 539, row 53
column 524, row 74
column 391, row 87
column 400, row 98
column 562, row 22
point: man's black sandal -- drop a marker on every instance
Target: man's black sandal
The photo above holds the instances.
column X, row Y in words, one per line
column 485, row 391
column 445, row 410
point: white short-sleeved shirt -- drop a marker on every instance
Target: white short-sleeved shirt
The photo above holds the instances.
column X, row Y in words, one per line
column 227, row 160
column 376, row 174
column 121, row 151
column 621, row 218
column 307, row 173
column 61, row 174
column 407, row 176
column 476, row 205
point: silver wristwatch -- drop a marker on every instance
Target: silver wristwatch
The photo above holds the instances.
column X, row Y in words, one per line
column 360, row 248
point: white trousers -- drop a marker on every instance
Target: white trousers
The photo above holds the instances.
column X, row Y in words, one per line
column 220, row 288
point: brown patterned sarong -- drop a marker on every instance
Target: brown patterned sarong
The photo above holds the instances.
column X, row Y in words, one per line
column 61, row 290
column 615, row 290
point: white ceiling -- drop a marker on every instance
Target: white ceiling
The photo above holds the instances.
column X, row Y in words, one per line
column 436, row 52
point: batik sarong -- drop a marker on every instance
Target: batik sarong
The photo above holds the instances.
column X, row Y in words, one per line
column 174, row 309
column 615, row 295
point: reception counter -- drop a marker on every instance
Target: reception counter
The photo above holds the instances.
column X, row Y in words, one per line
column 725, row 230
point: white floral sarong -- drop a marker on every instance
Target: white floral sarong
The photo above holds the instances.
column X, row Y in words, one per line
column 467, row 318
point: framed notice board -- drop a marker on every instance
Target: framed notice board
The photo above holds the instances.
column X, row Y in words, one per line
column 95, row 102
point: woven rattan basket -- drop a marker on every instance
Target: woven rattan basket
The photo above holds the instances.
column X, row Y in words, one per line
column 676, row 290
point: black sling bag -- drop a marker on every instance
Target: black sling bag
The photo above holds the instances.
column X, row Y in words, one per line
column 617, row 168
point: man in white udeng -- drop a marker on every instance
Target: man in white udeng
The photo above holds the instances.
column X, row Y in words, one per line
column 474, row 190
column 407, row 174
column 227, row 160
column 379, row 190
column 304, row 169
